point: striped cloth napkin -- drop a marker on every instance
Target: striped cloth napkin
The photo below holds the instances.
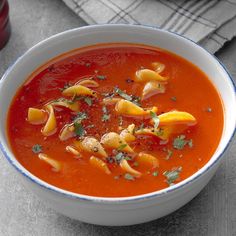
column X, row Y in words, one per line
column 210, row 23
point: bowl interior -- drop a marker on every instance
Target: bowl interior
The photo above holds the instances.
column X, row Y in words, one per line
column 85, row 36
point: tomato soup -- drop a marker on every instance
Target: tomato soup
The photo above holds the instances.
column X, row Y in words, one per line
column 115, row 120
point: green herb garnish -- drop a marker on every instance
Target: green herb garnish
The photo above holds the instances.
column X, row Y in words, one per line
column 105, row 116
column 101, row 77
column 66, row 85
column 79, row 130
column 169, row 154
column 131, row 98
column 174, row 99
column 128, row 176
column 141, row 127
column 155, row 119
column 172, row 175
column 121, row 147
column 190, row 143
column 155, row 173
column 80, row 116
column 88, row 100
column 119, row 156
column 180, row 142
column 37, row 148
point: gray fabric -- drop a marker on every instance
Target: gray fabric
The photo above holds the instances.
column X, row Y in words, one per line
column 208, row 22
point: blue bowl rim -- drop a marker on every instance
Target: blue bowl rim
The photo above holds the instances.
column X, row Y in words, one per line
column 113, row 200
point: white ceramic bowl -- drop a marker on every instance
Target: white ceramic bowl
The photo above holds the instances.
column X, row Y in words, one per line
column 125, row 210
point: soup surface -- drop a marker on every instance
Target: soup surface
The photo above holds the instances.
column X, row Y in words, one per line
column 115, row 120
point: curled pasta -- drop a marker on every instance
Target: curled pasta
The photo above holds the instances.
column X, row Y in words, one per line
column 110, row 101
column 152, row 88
column 99, row 164
column 177, row 117
column 91, row 145
column 127, row 108
column 74, row 106
column 113, row 140
column 147, row 159
column 67, row 132
column 127, row 168
column 56, row 165
column 88, row 83
column 128, row 133
column 79, row 90
column 73, row 151
column 161, row 132
column 36, row 116
column 145, row 75
column 51, row 125
column 158, row 67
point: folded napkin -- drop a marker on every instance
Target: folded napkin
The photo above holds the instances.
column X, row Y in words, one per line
column 208, row 22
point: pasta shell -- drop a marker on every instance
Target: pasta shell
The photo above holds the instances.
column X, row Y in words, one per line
column 110, row 101
column 113, row 140
column 145, row 75
column 127, row 168
column 79, row 90
column 127, row 108
column 74, row 106
column 51, row 125
column 73, row 151
column 99, row 164
column 36, row 116
column 147, row 159
column 158, row 67
column 152, row 88
column 91, row 145
column 88, row 83
column 128, row 133
column 162, row 132
column 67, row 132
column 177, row 117
column 56, row 165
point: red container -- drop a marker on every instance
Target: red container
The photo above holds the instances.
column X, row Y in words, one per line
column 5, row 28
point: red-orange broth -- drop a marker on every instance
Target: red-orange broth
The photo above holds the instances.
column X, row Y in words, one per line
column 110, row 65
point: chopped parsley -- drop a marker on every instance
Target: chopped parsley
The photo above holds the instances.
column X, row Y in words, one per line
column 79, row 130
column 128, row 176
column 172, row 175
column 174, row 99
column 105, row 116
column 121, row 147
column 180, row 142
column 190, row 143
column 155, row 173
column 141, row 127
column 101, row 77
column 155, row 119
column 88, row 100
column 80, row 116
column 66, row 85
column 37, row 148
column 169, row 154
column 119, row 156
column 131, row 98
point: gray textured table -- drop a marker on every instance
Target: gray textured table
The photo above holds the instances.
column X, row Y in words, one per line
column 212, row 212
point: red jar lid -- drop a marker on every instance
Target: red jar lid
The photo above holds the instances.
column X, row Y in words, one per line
column 5, row 28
